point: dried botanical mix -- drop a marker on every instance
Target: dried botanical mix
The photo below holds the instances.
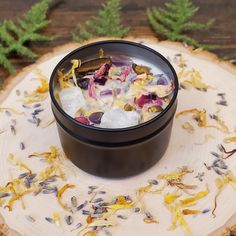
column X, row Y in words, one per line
column 113, row 92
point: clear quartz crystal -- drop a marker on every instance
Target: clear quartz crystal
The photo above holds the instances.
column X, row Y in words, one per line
column 72, row 99
column 117, row 118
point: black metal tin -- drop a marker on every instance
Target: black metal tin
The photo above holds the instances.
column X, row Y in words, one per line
column 115, row 152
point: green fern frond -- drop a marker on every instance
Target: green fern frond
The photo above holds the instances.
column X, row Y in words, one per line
column 107, row 23
column 173, row 21
column 14, row 36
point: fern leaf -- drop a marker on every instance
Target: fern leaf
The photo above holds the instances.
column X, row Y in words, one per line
column 174, row 21
column 107, row 23
column 14, row 36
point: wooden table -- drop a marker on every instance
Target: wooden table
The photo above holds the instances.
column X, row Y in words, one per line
column 68, row 13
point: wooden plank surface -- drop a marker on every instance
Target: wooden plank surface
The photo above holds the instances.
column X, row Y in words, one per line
column 68, row 13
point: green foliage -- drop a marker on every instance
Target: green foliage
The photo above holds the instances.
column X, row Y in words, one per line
column 14, row 36
column 174, row 21
column 107, row 23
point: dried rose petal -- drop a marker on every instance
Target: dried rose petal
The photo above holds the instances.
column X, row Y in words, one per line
column 141, row 101
column 83, row 120
column 150, row 98
column 91, row 89
column 96, row 117
column 126, row 70
column 102, row 71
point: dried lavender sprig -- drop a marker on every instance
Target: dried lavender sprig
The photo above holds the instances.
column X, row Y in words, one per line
column 37, row 105
column 23, row 175
column 86, row 212
column 13, row 130
column 153, row 182
column 81, row 206
column 69, row 219
column 50, row 220
column 148, row 214
column 122, row 217
column 22, row 146
column 30, row 218
column 96, row 200
column 79, row 225
column 222, row 103
column 136, row 209
column 74, row 201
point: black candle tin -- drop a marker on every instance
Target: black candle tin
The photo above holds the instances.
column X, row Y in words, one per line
column 115, row 152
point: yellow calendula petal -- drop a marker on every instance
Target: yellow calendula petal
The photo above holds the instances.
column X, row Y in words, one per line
column 96, row 223
column 47, row 173
column 230, row 139
column 150, row 221
column 61, row 192
column 15, row 198
column 200, row 117
column 194, row 79
column 18, row 163
column 101, row 223
column 11, row 110
column 35, row 97
column 120, row 206
column 49, row 156
column 62, row 80
column 186, row 112
column 190, row 212
column 177, row 217
column 2, row 201
column 45, row 124
column 75, row 64
column 169, row 198
column 56, row 218
column 121, row 200
column 90, row 233
column 194, row 198
column 44, row 87
column 174, row 175
column 219, row 183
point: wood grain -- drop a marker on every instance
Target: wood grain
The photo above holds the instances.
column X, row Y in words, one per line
column 68, row 13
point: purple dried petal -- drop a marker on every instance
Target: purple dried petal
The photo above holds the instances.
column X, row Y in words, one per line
column 118, row 91
column 101, row 80
column 106, row 92
column 83, row 83
column 162, row 81
column 96, row 117
column 158, row 102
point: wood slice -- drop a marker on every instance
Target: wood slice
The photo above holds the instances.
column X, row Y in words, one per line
column 185, row 149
